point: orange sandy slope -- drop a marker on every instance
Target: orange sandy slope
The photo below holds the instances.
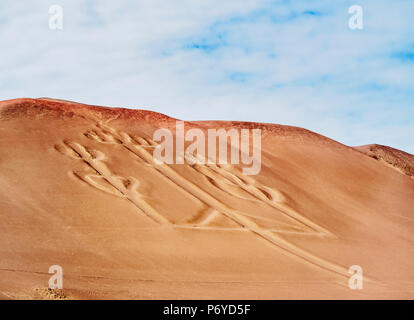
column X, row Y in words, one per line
column 79, row 189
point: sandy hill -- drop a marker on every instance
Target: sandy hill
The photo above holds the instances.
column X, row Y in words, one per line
column 398, row 159
column 79, row 188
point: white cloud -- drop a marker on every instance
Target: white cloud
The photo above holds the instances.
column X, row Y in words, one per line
column 263, row 61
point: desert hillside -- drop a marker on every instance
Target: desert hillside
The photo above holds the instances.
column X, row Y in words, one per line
column 79, row 188
column 398, row 159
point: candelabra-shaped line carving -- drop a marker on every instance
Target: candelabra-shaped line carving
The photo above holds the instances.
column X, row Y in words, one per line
column 140, row 147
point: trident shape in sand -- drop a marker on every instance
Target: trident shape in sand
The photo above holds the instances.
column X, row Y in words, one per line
column 139, row 148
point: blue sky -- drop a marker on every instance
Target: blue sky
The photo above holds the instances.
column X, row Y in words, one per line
column 288, row 62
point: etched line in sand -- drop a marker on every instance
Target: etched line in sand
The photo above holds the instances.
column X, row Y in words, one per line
column 208, row 217
column 218, row 175
column 125, row 187
column 223, row 179
column 110, row 135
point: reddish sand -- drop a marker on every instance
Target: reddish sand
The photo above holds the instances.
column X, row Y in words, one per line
column 79, row 189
